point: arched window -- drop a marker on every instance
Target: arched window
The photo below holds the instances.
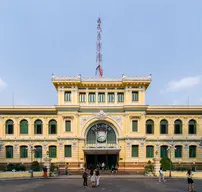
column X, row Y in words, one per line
column 150, row 151
column 52, row 126
column 52, row 151
column 192, row 126
column 23, row 152
column 164, row 126
column 38, row 151
column 178, row 151
column 111, row 137
column 149, row 126
column 91, row 137
column 101, row 133
column 178, row 126
column 24, row 126
column 164, row 151
column 192, row 151
column 9, row 152
column 38, row 127
column 9, row 127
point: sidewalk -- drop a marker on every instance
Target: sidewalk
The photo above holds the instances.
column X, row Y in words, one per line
column 80, row 177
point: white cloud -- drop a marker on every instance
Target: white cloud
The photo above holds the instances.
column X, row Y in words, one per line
column 184, row 83
column 2, row 84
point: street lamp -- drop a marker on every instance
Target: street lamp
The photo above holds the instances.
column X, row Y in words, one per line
column 170, row 147
column 32, row 149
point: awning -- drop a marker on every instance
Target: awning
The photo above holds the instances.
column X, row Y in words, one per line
column 101, row 151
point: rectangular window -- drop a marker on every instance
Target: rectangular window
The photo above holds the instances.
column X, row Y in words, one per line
column 134, row 125
column 52, row 151
column 120, row 97
column 91, row 97
column 149, row 151
column 134, row 150
column 101, row 97
column 178, row 151
column 111, row 97
column 164, row 151
column 82, row 97
column 23, row 152
column 68, row 126
column 38, row 152
column 192, row 151
column 67, row 95
column 68, row 150
column 9, row 152
column 135, row 96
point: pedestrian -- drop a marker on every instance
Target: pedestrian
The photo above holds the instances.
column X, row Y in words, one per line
column 190, row 180
column 93, row 179
column 45, row 170
column 85, row 177
column 112, row 169
column 66, row 168
column 103, row 166
column 161, row 176
column 97, row 174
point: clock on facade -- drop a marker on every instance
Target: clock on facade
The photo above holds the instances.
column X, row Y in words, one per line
column 101, row 136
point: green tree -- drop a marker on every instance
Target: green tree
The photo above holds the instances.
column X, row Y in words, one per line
column 165, row 163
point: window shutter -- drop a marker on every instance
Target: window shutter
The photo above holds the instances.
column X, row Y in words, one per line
column 52, row 152
column 164, row 152
column 134, row 125
column 38, row 152
column 134, row 150
column 9, row 152
column 24, row 127
column 178, row 152
column 68, row 126
column 149, row 151
column 68, row 150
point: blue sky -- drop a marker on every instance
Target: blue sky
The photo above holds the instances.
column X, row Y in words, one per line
column 41, row 37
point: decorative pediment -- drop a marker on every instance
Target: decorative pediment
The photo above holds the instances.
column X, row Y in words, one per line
column 101, row 115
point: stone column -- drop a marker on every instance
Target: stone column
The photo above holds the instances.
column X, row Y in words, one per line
column 157, row 163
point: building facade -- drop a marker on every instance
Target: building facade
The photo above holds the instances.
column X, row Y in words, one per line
column 101, row 120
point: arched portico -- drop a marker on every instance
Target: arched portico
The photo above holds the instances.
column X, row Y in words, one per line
column 101, row 144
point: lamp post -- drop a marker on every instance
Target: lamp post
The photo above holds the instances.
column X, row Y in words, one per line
column 170, row 147
column 32, row 149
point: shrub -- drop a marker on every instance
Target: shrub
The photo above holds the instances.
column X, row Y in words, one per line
column 20, row 167
column 149, row 168
column 10, row 167
column 35, row 166
column 165, row 163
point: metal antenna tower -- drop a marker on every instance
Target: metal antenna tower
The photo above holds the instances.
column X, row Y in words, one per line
column 99, row 48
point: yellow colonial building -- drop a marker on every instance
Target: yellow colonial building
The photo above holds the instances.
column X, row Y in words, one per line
column 101, row 120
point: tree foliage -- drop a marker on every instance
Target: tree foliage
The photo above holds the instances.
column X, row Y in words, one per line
column 166, row 164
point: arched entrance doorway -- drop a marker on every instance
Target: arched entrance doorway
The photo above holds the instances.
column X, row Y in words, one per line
column 101, row 145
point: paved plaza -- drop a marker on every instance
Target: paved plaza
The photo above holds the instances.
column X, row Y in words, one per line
column 107, row 184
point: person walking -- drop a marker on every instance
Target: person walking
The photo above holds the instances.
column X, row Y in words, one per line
column 45, row 170
column 97, row 175
column 112, row 169
column 103, row 166
column 190, row 181
column 161, row 176
column 93, row 179
column 85, row 177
